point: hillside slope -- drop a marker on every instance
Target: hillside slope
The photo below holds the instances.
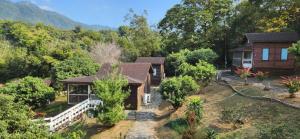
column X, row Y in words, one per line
column 30, row 13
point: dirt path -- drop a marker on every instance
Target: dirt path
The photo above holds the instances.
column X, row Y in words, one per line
column 145, row 123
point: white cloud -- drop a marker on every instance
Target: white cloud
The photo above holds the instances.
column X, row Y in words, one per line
column 45, row 7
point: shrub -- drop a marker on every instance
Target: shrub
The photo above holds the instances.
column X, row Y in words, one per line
column 178, row 125
column 195, row 105
column 206, row 54
column 202, row 71
column 261, row 75
column 244, row 73
column 174, row 60
column 175, row 89
column 111, row 92
column 16, row 121
column 30, row 90
column 292, row 83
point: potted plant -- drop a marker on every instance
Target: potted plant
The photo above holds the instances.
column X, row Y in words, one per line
column 293, row 85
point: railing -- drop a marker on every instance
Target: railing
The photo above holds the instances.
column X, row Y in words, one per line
column 72, row 114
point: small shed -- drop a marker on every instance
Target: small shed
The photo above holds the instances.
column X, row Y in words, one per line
column 158, row 68
column 266, row 52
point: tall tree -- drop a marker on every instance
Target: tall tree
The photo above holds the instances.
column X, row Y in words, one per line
column 192, row 24
column 138, row 39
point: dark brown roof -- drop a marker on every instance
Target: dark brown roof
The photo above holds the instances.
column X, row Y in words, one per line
column 152, row 60
column 136, row 73
column 272, row 37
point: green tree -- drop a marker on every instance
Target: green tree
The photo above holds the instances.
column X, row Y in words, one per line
column 138, row 39
column 174, row 60
column 192, row 24
column 207, row 55
column 29, row 90
column 15, row 121
column 201, row 72
column 175, row 89
column 74, row 67
column 111, row 92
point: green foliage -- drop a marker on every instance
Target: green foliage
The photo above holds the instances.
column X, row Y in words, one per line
column 29, row 90
column 179, row 125
column 292, row 83
column 175, row 89
column 111, row 92
column 207, row 55
column 192, row 24
column 295, row 49
column 211, row 134
column 195, row 105
column 175, row 60
column 138, row 39
column 202, row 71
column 15, row 121
column 74, row 67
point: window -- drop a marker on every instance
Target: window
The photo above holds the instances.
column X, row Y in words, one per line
column 284, row 54
column 265, row 54
column 154, row 72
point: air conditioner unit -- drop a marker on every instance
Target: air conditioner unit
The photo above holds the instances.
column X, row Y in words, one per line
column 147, row 98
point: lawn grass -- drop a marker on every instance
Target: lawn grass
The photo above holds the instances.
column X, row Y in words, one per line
column 246, row 118
column 59, row 105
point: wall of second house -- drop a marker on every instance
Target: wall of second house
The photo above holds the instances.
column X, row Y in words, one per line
column 155, row 80
column 131, row 101
column 274, row 61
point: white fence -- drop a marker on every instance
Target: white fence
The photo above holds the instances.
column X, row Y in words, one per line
column 65, row 118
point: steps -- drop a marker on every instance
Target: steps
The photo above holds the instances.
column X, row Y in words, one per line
column 70, row 115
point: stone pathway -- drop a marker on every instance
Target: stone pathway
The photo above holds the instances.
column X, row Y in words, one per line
column 144, row 125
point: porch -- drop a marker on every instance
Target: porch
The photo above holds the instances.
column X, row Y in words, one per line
column 79, row 92
column 243, row 59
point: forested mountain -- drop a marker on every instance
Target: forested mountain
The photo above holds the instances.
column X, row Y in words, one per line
column 30, row 13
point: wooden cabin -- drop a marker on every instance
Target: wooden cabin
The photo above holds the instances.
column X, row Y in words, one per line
column 137, row 74
column 266, row 52
column 158, row 68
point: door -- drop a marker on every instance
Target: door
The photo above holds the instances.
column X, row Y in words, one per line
column 247, row 59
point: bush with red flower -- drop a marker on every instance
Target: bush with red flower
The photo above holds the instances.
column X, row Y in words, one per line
column 292, row 83
column 244, row 73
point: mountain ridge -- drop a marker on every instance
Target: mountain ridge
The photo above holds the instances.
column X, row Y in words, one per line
column 28, row 12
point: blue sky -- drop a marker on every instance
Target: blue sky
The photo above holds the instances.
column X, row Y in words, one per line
column 106, row 12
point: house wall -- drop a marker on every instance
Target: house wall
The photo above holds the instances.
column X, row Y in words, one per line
column 274, row 61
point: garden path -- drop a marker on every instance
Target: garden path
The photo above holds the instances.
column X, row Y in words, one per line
column 145, row 122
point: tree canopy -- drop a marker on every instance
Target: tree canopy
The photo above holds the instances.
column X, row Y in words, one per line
column 29, row 90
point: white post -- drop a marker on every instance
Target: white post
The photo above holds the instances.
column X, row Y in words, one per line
column 89, row 91
column 68, row 93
